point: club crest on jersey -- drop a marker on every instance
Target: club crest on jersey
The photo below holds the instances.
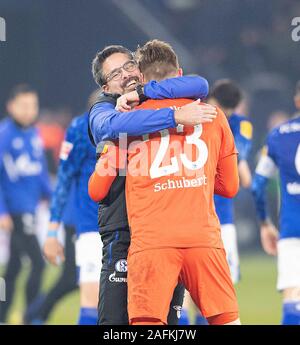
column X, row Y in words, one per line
column 18, row 143
column 121, row 266
column 65, row 150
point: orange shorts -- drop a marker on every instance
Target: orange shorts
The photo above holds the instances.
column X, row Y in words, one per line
column 153, row 275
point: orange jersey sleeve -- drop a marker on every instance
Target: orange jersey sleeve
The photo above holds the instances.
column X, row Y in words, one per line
column 227, row 178
column 99, row 186
column 111, row 160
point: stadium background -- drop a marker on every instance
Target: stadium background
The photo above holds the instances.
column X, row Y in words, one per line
column 50, row 44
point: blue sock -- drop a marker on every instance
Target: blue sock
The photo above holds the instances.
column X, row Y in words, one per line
column 88, row 316
column 32, row 312
column 37, row 322
column 201, row 320
column 291, row 313
column 184, row 317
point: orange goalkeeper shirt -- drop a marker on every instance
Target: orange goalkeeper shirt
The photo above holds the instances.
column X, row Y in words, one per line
column 170, row 183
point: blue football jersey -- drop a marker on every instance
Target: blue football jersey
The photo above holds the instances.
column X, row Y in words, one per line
column 69, row 214
column 24, row 178
column 241, row 129
column 77, row 163
column 282, row 151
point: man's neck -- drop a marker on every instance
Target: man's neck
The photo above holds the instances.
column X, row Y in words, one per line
column 228, row 111
column 20, row 125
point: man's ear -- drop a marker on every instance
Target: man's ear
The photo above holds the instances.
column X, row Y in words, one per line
column 105, row 88
column 8, row 107
column 180, row 72
column 144, row 81
column 297, row 101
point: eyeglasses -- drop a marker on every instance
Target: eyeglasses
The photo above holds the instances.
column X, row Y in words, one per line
column 116, row 74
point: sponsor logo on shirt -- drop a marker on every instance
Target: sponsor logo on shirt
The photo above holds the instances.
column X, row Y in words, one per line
column 293, row 188
column 22, row 166
column 289, row 128
column 65, row 150
column 113, row 279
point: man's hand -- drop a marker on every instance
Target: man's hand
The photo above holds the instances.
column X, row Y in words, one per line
column 6, row 222
column 53, row 250
column 244, row 174
column 195, row 113
column 127, row 101
column 269, row 238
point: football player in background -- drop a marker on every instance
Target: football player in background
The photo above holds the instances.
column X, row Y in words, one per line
column 227, row 95
column 282, row 153
column 77, row 161
column 24, row 182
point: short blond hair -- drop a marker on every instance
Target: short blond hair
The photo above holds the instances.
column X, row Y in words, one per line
column 157, row 60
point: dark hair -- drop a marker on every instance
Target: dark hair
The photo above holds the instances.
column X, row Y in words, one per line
column 157, row 60
column 298, row 87
column 227, row 93
column 20, row 89
column 101, row 56
column 93, row 98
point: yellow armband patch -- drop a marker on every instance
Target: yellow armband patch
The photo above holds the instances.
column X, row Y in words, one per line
column 246, row 129
column 105, row 149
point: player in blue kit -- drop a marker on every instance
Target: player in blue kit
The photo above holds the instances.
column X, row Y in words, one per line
column 282, row 153
column 77, row 162
column 24, row 181
column 227, row 95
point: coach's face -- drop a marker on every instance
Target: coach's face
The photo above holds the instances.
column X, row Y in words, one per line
column 121, row 74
